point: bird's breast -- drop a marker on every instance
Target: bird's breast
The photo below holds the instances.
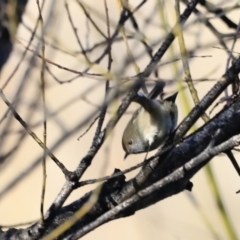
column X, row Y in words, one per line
column 150, row 129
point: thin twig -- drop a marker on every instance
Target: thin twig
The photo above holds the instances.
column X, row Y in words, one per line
column 32, row 134
column 81, row 74
column 233, row 161
column 42, row 78
column 90, row 126
column 89, row 63
column 88, row 16
column 187, row 71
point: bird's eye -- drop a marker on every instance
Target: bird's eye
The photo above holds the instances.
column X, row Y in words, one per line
column 130, row 142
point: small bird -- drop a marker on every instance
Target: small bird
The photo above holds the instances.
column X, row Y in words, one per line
column 152, row 123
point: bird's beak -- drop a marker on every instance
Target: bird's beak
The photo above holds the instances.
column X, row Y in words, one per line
column 125, row 156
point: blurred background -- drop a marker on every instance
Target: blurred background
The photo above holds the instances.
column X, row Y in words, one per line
column 71, row 98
